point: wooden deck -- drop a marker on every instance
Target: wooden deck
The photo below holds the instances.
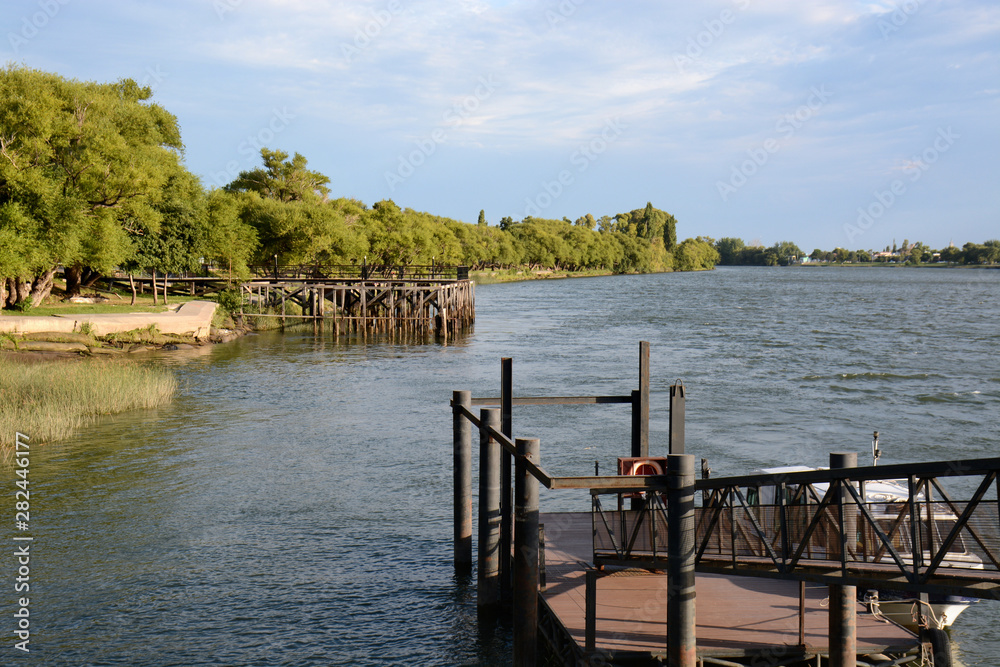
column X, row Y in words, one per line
column 737, row 617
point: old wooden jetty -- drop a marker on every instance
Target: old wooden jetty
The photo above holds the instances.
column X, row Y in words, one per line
column 354, row 298
column 667, row 569
column 366, row 298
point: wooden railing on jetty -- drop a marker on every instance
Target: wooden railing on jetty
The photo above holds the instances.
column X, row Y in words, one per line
column 727, row 534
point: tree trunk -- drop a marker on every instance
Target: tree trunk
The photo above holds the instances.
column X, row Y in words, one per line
column 89, row 277
column 155, row 302
column 3, row 292
column 73, row 285
column 165, row 288
column 41, row 287
column 131, row 283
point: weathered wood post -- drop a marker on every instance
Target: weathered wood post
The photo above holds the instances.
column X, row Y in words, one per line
column 676, row 438
column 506, row 478
column 489, row 513
column 640, row 405
column 843, row 599
column 462, row 430
column 681, row 639
column 590, row 611
column 525, row 555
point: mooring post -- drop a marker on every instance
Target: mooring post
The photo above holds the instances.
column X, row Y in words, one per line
column 506, row 479
column 843, row 599
column 525, row 555
column 489, row 513
column 640, row 405
column 681, row 639
column 676, row 439
column 590, row 611
column 462, row 430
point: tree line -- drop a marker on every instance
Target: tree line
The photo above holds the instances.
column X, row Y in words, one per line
column 735, row 252
column 92, row 181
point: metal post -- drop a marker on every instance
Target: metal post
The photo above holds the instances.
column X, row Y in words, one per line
column 489, row 512
column 525, row 555
column 676, row 442
column 462, row 429
column 506, row 479
column 640, row 405
column 843, row 599
column 681, row 639
column 590, row 611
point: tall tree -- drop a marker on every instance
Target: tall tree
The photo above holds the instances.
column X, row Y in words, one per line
column 82, row 167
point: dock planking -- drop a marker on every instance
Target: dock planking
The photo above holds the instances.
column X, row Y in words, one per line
column 737, row 617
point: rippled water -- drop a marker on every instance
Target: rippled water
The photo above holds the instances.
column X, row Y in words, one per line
column 292, row 506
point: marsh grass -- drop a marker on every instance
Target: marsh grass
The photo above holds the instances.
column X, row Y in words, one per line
column 50, row 400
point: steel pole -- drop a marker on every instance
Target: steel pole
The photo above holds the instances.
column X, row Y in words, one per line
column 489, row 513
column 462, row 432
column 844, row 599
column 506, row 479
column 682, row 648
column 525, row 555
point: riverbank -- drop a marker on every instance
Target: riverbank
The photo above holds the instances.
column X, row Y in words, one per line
column 490, row 277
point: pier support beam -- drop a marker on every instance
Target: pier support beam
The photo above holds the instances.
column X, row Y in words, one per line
column 640, row 405
column 489, row 514
column 462, row 430
column 843, row 599
column 676, row 439
column 681, row 640
column 506, row 479
column 525, row 556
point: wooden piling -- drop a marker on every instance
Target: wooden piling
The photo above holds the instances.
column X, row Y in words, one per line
column 488, row 591
column 526, row 555
column 462, row 428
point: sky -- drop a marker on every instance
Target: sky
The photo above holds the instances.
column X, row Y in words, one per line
column 825, row 123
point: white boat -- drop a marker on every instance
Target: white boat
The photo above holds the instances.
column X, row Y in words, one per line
column 886, row 500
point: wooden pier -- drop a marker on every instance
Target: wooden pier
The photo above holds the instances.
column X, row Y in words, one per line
column 367, row 299
column 407, row 301
column 740, row 620
column 775, row 584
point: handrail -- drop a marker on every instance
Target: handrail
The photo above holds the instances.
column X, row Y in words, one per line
column 628, row 483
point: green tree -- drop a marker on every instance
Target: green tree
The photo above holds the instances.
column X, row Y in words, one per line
column 729, row 249
column 482, row 217
column 82, row 168
column 282, row 179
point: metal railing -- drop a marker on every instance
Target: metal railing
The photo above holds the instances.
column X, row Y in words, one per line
column 829, row 526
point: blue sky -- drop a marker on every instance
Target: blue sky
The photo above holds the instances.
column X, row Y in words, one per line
column 825, row 123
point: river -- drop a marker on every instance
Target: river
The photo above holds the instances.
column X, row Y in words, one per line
column 292, row 505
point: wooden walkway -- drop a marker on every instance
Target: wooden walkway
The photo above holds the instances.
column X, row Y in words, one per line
column 737, row 617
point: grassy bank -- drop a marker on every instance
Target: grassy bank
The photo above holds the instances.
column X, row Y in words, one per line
column 515, row 275
column 49, row 400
